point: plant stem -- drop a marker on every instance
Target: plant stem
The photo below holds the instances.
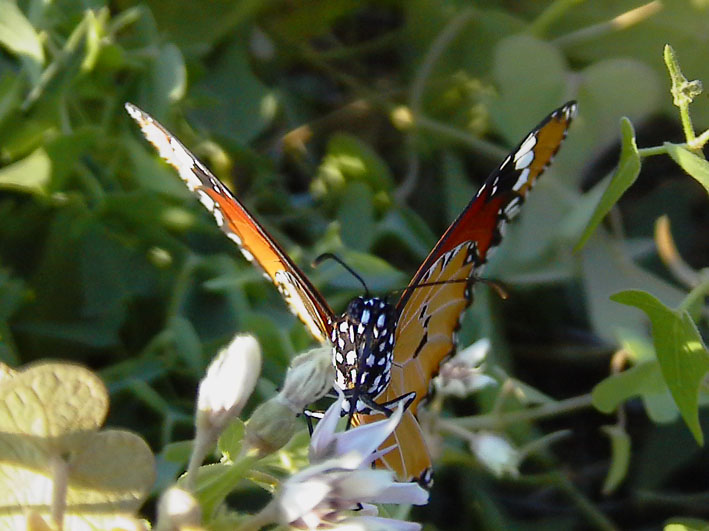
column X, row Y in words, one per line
column 496, row 422
column 60, row 485
column 479, row 145
column 213, row 491
column 651, row 151
column 621, row 22
column 551, row 14
column 683, row 92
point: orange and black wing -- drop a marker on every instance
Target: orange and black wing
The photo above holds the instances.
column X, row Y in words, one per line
column 432, row 305
column 241, row 227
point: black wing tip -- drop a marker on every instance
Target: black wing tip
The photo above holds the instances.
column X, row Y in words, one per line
column 568, row 110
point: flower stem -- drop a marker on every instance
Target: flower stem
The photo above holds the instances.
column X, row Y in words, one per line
column 216, row 488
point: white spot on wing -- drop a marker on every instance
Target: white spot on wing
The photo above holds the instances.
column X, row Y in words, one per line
column 207, row 201
column 521, row 180
column 526, row 146
column 233, row 236
column 218, row 217
column 524, row 160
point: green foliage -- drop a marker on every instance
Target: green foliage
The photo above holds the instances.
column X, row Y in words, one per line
column 361, row 130
column 624, row 176
column 682, row 356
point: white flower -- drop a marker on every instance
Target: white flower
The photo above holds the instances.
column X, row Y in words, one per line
column 496, row 454
column 229, row 382
column 462, row 374
column 341, row 479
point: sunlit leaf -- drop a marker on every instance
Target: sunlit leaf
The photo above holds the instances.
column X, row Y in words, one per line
column 350, row 159
column 17, row 34
column 51, row 402
column 682, row 356
column 694, row 165
column 49, row 414
column 31, row 174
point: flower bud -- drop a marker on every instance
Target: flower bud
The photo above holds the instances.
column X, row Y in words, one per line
column 230, row 380
column 309, row 377
column 270, row 427
column 178, row 510
column 496, row 454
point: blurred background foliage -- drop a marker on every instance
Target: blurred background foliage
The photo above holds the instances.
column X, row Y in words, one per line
column 363, row 129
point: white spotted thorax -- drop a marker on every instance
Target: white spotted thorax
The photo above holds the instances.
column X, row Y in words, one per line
column 363, row 351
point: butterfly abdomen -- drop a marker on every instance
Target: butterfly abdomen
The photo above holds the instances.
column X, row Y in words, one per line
column 363, row 349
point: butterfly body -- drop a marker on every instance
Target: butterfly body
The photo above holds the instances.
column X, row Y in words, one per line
column 385, row 353
column 363, row 352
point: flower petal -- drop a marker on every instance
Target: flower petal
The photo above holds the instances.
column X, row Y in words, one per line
column 366, row 438
column 322, row 441
column 298, row 499
column 376, row 523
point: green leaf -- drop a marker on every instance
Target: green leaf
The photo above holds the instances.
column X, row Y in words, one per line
column 31, row 174
column 620, row 458
column 607, row 270
column 241, row 106
column 643, row 379
column 229, row 443
column 17, row 34
column 524, row 57
column 11, row 87
column 682, row 356
column 167, row 82
column 356, row 216
column 694, row 165
column 627, row 171
column 187, row 344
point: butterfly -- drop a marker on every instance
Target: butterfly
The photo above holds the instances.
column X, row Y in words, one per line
column 385, row 353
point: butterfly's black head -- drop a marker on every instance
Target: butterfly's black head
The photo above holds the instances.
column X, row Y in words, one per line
column 363, row 348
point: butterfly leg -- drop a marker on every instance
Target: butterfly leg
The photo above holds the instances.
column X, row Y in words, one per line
column 387, row 408
column 309, row 416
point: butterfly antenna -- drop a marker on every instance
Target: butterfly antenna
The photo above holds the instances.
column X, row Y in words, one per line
column 329, row 256
column 497, row 286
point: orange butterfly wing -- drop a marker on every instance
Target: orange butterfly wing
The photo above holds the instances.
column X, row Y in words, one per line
column 241, row 227
column 432, row 305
